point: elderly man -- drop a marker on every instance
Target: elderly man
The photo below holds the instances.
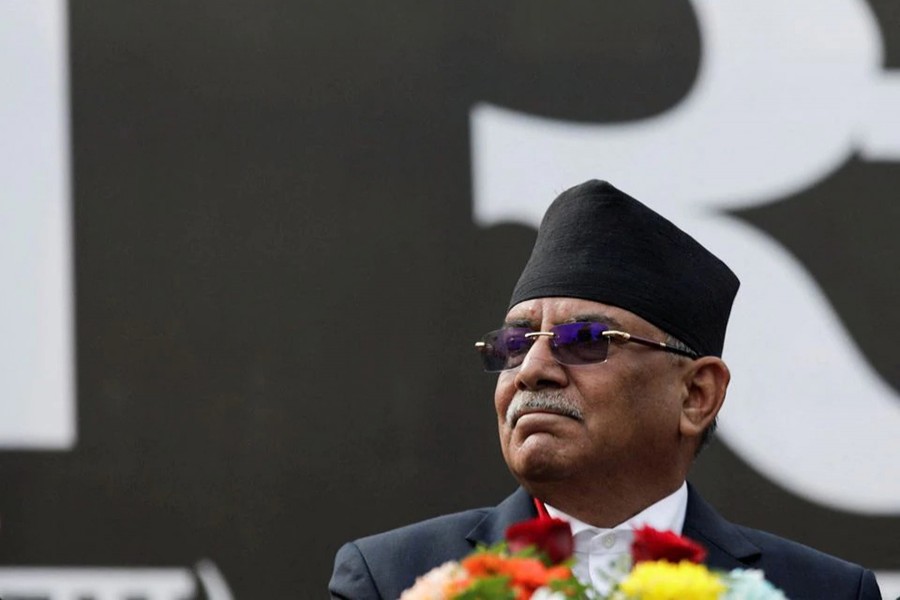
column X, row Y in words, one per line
column 610, row 380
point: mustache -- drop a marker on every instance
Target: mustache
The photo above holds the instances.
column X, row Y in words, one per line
column 543, row 401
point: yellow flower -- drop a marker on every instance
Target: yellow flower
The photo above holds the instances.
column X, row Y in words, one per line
column 663, row 580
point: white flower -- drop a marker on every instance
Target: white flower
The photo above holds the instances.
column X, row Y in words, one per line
column 751, row 584
column 547, row 594
column 435, row 584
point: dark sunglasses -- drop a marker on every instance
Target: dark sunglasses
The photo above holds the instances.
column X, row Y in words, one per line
column 579, row 343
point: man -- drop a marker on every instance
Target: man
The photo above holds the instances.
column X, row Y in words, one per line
column 610, row 380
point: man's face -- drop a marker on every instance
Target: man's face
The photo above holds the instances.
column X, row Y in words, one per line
column 615, row 420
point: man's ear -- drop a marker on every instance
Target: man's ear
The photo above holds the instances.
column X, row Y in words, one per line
column 705, row 382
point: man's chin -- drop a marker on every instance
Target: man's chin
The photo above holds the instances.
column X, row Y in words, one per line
column 534, row 465
column 538, row 480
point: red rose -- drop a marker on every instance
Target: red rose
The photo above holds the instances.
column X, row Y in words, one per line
column 553, row 537
column 650, row 544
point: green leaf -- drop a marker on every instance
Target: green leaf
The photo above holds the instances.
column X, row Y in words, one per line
column 489, row 588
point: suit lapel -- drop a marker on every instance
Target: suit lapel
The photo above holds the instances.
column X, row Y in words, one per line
column 727, row 547
column 492, row 528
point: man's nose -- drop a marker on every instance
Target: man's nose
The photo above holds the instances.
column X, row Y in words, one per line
column 539, row 369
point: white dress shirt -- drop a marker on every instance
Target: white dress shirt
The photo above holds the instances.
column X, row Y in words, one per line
column 601, row 553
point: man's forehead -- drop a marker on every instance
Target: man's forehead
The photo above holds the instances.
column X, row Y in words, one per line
column 554, row 310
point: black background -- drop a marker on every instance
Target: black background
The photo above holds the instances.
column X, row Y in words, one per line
column 278, row 280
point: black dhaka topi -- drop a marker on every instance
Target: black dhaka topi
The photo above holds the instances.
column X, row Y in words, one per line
column 598, row 243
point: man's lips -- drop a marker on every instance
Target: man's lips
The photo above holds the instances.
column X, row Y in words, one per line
column 545, row 412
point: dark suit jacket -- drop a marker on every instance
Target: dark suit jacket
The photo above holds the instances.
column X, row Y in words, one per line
column 380, row 567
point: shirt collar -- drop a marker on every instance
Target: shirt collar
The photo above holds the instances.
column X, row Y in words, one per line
column 666, row 514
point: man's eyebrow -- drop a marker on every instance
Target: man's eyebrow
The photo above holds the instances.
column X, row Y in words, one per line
column 597, row 317
column 526, row 323
column 580, row 318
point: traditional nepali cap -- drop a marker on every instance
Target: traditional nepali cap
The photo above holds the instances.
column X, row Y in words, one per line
column 598, row 243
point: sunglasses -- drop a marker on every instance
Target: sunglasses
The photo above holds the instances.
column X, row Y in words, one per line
column 580, row 343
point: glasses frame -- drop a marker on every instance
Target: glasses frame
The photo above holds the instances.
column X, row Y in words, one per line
column 611, row 334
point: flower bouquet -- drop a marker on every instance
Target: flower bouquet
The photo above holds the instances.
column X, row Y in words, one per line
column 535, row 563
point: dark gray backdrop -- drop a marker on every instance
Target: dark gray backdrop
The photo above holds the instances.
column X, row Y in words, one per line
column 279, row 281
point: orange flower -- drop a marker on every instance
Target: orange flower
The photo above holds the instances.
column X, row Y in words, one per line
column 526, row 574
column 527, row 571
column 559, row 572
column 483, row 563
